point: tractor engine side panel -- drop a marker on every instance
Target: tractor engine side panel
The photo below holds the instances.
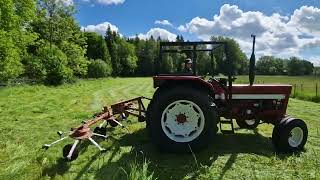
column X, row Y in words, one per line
column 264, row 102
column 267, row 110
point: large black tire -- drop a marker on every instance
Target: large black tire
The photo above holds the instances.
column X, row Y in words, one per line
column 148, row 117
column 246, row 125
column 290, row 135
column 162, row 100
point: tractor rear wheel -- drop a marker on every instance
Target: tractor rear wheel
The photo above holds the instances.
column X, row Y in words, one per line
column 182, row 117
column 290, row 135
column 248, row 124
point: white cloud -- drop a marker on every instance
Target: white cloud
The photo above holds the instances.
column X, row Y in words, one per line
column 181, row 28
column 158, row 32
column 163, row 22
column 307, row 19
column 66, row 2
column 276, row 34
column 109, row 2
column 100, row 28
column 105, row 2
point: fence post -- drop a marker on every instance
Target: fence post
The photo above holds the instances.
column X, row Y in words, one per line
column 316, row 89
column 294, row 89
column 301, row 88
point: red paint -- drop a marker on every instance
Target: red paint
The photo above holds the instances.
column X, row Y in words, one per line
column 181, row 118
column 238, row 107
column 261, row 89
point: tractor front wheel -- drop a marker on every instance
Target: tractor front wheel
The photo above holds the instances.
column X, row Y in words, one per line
column 182, row 118
column 290, row 135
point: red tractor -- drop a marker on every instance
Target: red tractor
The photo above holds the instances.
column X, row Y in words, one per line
column 186, row 109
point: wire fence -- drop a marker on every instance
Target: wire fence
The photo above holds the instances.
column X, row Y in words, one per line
column 307, row 89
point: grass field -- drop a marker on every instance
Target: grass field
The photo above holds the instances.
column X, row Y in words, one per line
column 31, row 115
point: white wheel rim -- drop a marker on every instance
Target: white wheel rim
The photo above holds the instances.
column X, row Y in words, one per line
column 182, row 121
column 296, row 137
column 250, row 122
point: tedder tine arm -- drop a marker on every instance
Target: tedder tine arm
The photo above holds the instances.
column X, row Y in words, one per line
column 117, row 112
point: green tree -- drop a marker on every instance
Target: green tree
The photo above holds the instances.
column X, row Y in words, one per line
column 269, row 65
column 235, row 54
column 112, row 39
column 308, row 67
column 15, row 35
column 127, row 57
column 10, row 65
column 298, row 67
column 206, row 65
column 166, row 65
column 76, row 58
column 97, row 47
column 55, row 23
column 55, row 64
column 56, row 26
column 147, row 53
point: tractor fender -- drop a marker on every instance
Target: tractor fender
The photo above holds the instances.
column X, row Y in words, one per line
column 165, row 82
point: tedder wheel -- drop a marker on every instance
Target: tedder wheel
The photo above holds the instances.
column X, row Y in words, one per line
column 100, row 130
column 248, row 124
column 112, row 123
column 66, row 149
column 181, row 117
column 290, row 135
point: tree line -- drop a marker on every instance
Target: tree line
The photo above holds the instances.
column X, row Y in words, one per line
column 42, row 41
column 294, row 66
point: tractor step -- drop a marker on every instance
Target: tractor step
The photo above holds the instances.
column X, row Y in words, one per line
column 227, row 131
column 226, row 122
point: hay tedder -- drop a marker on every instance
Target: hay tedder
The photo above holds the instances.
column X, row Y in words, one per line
column 186, row 109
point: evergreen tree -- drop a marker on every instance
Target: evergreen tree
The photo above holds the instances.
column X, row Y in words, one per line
column 111, row 39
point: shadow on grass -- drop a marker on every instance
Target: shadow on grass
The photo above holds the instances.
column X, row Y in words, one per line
column 177, row 166
column 62, row 165
column 59, row 168
column 166, row 165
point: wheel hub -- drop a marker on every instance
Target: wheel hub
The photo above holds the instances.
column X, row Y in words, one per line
column 181, row 118
column 182, row 121
column 296, row 137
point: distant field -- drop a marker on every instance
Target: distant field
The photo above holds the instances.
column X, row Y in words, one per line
column 31, row 115
column 304, row 87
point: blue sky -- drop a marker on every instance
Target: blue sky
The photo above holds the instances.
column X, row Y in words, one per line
column 284, row 28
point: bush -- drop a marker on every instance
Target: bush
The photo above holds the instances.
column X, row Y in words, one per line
column 98, row 68
column 34, row 68
column 76, row 58
column 55, row 63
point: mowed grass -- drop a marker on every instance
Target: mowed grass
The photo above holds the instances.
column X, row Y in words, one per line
column 31, row 115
